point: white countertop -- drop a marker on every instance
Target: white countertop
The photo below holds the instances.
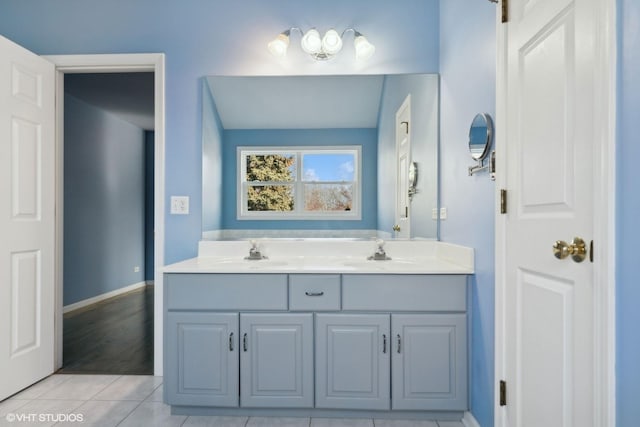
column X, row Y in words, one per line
column 329, row 256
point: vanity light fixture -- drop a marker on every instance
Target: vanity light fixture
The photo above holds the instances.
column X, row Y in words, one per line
column 322, row 48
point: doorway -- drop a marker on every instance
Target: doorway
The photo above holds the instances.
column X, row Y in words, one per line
column 108, row 223
column 113, row 63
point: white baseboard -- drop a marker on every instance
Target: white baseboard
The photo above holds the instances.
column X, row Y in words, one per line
column 102, row 297
column 469, row 421
column 150, row 282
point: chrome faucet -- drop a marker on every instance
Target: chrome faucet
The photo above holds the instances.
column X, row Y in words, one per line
column 254, row 252
column 379, row 254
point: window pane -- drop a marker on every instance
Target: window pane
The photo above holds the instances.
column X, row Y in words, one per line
column 277, row 198
column 328, row 167
column 278, row 167
column 328, row 197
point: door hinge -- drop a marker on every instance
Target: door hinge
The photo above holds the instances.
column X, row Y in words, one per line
column 505, row 11
column 503, row 393
column 503, row 201
column 406, row 211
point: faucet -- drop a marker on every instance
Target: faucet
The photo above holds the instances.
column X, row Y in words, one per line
column 254, row 252
column 379, row 254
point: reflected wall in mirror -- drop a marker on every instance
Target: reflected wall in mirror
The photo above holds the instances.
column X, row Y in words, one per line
column 319, row 111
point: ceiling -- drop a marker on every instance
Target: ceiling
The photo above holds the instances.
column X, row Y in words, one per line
column 297, row 102
column 126, row 95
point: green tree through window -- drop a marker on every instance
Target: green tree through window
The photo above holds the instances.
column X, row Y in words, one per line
column 272, row 168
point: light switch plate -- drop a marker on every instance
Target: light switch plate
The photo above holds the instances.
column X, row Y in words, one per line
column 443, row 213
column 179, row 205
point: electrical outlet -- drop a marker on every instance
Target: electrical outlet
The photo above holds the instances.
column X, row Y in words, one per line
column 179, row 205
column 136, row 269
column 434, row 213
column 443, row 213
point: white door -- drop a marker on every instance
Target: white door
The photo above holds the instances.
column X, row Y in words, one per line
column 548, row 302
column 27, row 193
column 403, row 157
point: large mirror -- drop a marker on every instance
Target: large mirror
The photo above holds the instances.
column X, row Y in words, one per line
column 344, row 145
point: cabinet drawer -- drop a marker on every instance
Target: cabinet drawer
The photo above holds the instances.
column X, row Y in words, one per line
column 314, row 292
column 226, row 291
column 408, row 292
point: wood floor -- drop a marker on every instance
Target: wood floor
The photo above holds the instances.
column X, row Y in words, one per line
column 111, row 337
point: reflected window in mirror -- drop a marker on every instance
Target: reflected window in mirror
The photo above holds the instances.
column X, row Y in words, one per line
column 310, row 183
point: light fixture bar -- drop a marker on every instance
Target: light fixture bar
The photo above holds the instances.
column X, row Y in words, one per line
column 322, row 48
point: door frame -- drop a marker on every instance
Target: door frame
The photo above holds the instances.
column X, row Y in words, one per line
column 604, row 216
column 113, row 63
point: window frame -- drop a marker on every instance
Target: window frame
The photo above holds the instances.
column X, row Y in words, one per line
column 242, row 213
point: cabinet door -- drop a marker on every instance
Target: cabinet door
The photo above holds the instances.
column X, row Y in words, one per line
column 276, row 361
column 352, row 361
column 201, row 359
column 429, row 361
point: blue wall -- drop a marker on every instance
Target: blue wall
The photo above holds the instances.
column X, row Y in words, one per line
column 424, row 143
column 367, row 138
column 628, row 212
column 204, row 37
column 103, row 201
column 467, row 87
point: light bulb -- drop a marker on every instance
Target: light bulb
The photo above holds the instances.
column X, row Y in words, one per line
column 311, row 42
column 278, row 46
column 331, row 42
column 364, row 49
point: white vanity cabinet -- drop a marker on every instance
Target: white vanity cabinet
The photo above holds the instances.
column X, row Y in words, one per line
column 203, row 349
column 327, row 344
column 429, row 361
column 352, row 361
column 276, row 360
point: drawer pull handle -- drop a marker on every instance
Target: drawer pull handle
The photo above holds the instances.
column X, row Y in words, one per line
column 314, row 294
column 384, row 343
column 244, row 342
column 399, row 346
column 231, row 341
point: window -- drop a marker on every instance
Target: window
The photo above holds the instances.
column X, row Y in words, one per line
column 299, row 183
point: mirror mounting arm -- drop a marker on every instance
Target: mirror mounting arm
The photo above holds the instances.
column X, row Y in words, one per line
column 477, row 168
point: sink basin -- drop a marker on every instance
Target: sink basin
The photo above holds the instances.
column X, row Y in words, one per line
column 367, row 265
column 264, row 264
column 241, row 264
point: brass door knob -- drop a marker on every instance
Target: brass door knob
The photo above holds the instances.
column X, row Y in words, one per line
column 577, row 249
column 396, row 227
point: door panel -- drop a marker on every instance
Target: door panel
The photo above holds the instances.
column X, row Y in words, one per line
column 203, row 350
column 276, row 362
column 429, row 365
column 27, row 187
column 548, row 307
column 352, row 361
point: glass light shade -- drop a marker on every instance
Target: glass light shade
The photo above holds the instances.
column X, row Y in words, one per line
column 364, row 49
column 311, row 42
column 331, row 42
column 278, row 46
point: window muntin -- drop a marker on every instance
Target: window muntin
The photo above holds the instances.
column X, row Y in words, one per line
column 299, row 183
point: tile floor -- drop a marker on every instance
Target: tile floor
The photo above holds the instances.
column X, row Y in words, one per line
column 136, row 401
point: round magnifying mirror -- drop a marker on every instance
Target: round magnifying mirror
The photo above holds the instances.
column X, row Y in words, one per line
column 480, row 136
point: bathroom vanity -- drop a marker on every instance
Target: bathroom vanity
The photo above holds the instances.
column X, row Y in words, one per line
column 303, row 333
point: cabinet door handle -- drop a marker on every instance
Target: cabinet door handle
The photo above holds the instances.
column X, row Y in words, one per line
column 244, row 342
column 231, row 341
column 314, row 294
column 384, row 343
column 399, row 346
